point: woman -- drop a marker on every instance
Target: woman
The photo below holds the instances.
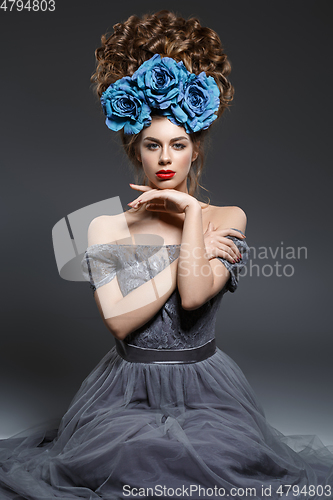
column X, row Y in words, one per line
column 165, row 414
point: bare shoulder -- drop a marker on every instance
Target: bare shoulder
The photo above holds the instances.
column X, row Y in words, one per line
column 230, row 216
column 107, row 229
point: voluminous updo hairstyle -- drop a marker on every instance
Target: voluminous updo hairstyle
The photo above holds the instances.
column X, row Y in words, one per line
column 138, row 39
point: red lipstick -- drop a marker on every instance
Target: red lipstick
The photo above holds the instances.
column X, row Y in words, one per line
column 165, row 174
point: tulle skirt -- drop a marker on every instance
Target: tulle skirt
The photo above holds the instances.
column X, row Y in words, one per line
column 137, row 430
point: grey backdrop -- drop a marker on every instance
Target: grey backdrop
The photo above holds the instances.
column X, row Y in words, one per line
column 270, row 155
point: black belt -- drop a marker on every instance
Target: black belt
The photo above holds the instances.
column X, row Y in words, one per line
column 136, row 354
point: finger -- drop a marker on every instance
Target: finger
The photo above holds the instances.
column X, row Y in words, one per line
column 144, row 198
column 225, row 254
column 139, row 187
column 133, row 203
column 151, row 196
column 228, row 231
column 210, row 227
column 235, row 251
column 227, row 241
column 230, row 255
column 155, row 207
column 231, row 249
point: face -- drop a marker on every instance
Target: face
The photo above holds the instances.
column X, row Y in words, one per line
column 166, row 147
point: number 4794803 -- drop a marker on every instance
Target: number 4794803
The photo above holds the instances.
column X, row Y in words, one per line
column 29, row 5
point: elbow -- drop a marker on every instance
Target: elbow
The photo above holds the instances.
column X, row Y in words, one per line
column 191, row 305
column 191, row 301
column 120, row 335
column 116, row 330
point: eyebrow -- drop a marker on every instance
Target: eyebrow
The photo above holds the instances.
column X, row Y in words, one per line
column 175, row 139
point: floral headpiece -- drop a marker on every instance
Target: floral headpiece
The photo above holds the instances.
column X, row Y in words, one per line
column 162, row 84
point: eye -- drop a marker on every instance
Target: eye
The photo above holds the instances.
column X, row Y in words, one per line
column 152, row 146
column 179, row 145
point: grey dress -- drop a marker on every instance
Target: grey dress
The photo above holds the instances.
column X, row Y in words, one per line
column 157, row 429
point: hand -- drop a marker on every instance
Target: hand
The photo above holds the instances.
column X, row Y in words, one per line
column 163, row 200
column 217, row 245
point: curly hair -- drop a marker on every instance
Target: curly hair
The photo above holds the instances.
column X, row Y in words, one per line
column 138, row 39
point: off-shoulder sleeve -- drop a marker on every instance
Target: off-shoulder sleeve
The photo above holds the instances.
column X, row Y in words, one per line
column 99, row 265
column 236, row 268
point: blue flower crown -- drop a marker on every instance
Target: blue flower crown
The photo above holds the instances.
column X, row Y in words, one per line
column 162, row 84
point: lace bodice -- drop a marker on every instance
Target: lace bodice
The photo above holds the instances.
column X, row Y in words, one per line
column 172, row 327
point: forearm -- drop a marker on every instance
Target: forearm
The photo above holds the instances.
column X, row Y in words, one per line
column 195, row 277
column 131, row 312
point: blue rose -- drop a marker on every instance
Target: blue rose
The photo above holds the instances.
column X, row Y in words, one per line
column 125, row 106
column 186, row 99
column 161, row 80
column 201, row 102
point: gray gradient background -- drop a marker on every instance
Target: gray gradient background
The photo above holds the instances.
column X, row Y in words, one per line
column 270, row 155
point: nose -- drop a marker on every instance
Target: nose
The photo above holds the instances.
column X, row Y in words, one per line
column 164, row 156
